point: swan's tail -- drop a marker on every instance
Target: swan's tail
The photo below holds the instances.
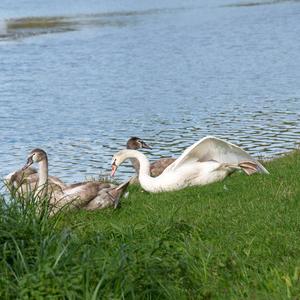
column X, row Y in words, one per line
column 251, row 167
column 116, row 194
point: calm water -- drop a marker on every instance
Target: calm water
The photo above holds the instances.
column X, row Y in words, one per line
column 168, row 71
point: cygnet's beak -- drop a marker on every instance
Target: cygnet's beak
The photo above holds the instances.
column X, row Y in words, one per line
column 146, row 146
column 113, row 169
column 28, row 163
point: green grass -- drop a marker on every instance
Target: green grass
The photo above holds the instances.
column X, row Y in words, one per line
column 236, row 239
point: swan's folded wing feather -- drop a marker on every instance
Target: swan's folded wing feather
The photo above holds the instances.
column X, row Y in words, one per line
column 21, row 176
column 212, row 148
column 157, row 167
column 56, row 181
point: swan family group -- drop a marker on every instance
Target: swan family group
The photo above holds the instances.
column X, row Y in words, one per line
column 209, row 160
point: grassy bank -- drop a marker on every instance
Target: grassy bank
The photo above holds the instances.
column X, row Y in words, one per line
column 237, row 239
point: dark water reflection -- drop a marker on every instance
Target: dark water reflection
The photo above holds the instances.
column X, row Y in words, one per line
column 257, row 3
column 18, row 28
column 167, row 73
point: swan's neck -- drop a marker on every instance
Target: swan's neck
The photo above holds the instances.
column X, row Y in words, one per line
column 140, row 159
column 43, row 178
column 147, row 182
column 135, row 164
column 134, row 161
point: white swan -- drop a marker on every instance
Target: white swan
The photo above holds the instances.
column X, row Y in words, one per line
column 208, row 160
column 88, row 195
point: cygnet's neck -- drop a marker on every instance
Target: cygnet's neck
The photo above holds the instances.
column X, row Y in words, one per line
column 141, row 159
column 136, row 165
column 43, row 177
column 134, row 161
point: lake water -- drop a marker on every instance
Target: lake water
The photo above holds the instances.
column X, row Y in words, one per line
column 81, row 77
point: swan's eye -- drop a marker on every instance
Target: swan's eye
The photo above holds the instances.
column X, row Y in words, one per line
column 35, row 157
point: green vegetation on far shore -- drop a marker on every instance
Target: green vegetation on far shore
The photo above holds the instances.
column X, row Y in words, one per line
column 236, row 239
column 38, row 22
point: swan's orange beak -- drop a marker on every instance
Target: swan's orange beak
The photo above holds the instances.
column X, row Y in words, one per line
column 113, row 170
column 28, row 163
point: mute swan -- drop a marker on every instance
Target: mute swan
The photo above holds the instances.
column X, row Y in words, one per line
column 26, row 181
column 208, row 160
column 157, row 167
column 88, row 195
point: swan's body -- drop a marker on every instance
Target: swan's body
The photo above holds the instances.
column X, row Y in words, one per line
column 207, row 161
column 88, row 195
column 157, row 167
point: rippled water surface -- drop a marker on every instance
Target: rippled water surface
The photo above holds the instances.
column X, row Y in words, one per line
column 78, row 78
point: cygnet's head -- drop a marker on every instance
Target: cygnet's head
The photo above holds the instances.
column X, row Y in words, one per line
column 136, row 143
column 35, row 156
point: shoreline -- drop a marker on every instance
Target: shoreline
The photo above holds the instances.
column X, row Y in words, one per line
column 232, row 239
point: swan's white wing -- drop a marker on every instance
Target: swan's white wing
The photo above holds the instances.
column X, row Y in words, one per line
column 212, row 148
